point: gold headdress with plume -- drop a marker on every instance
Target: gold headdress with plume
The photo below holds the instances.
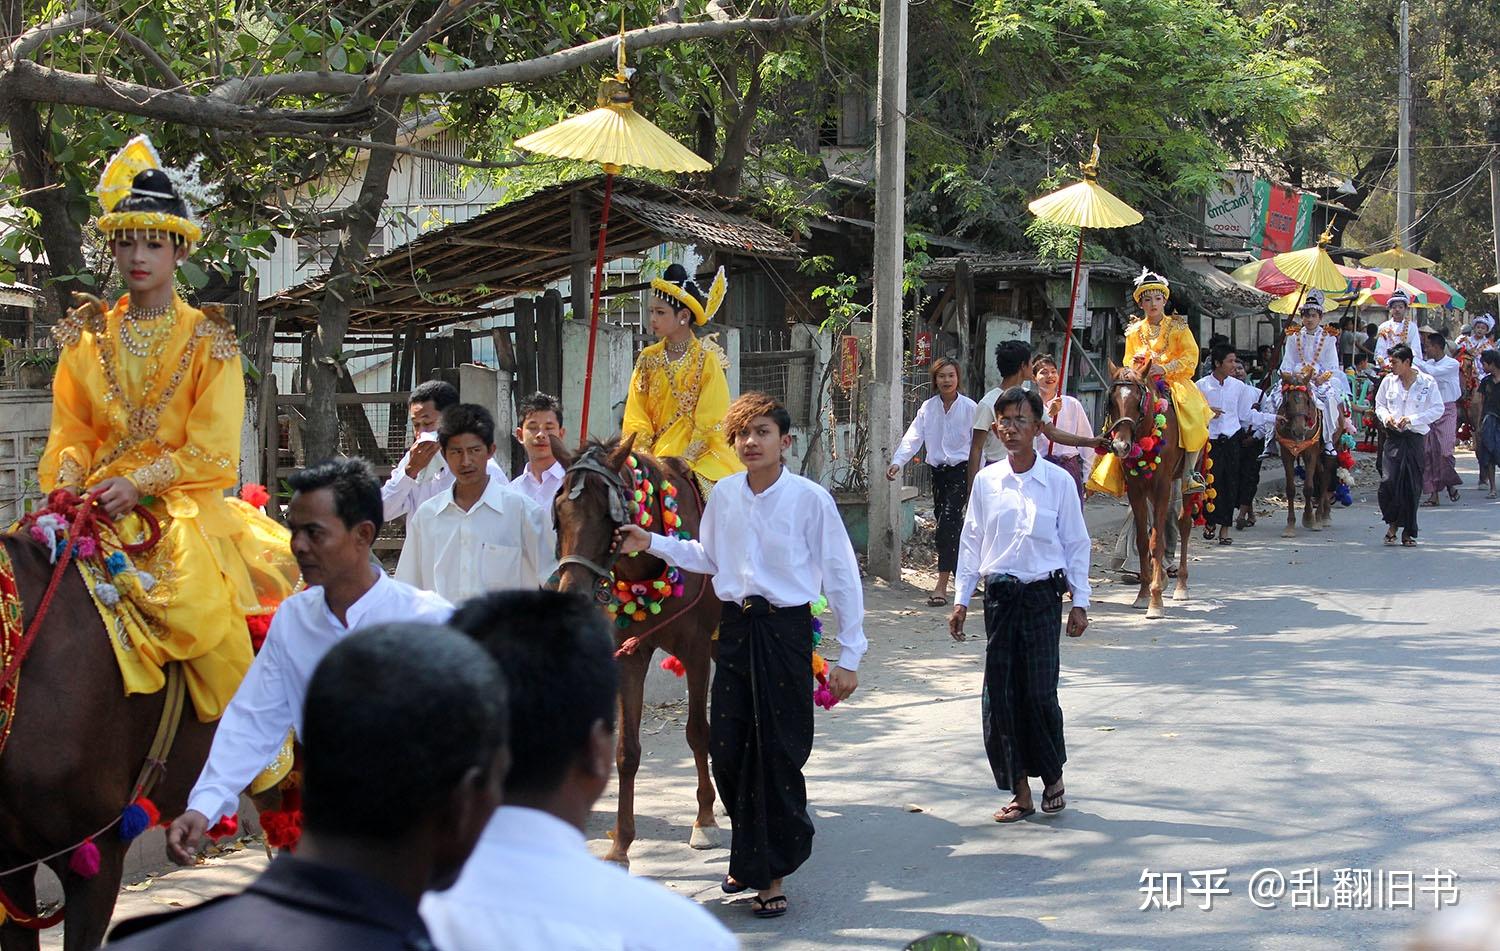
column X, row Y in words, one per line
column 138, row 193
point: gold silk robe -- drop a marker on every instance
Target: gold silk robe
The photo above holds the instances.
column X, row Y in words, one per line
column 676, row 408
column 170, row 423
column 1173, row 349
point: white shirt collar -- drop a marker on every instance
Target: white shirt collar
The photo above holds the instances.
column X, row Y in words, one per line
column 492, row 497
column 367, row 601
column 781, row 479
column 556, row 472
column 535, row 829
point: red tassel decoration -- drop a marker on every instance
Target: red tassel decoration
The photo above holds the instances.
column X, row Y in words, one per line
column 85, row 860
column 224, row 828
column 283, row 828
column 673, row 666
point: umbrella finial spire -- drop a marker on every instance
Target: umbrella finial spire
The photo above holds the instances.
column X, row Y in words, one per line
column 1091, row 167
column 620, row 51
column 1325, row 238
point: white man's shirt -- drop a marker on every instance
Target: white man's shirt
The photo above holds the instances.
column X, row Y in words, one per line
column 1235, row 401
column 945, row 433
column 269, row 700
column 1421, row 403
column 786, row 545
column 503, row 542
column 1444, row 371
column 1026, row 525
column 1071, row 418
column 542, row 491
column 531, row 884
column 403, row 495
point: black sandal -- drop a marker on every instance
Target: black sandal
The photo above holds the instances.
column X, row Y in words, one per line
column 1056, row 798
column 1226, row 540
column 731, row 887
column 1209, row 534
column 761, row 907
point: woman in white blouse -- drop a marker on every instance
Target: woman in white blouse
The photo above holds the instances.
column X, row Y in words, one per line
column 1066, row 414
column 944, row 424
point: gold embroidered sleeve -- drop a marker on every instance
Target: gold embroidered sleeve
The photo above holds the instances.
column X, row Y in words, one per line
column 694, row 450
column 70, row 473
column 222, row 343
column 155, row 477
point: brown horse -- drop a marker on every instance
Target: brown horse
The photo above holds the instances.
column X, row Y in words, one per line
column 596, row 497
column 1131, row 402
column 77, row 745
column 1299, row 433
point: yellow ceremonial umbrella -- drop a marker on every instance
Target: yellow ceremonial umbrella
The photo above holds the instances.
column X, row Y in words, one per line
column 1084, row 204
column 1312, row 267
column 1398, row 259
column 613, row 135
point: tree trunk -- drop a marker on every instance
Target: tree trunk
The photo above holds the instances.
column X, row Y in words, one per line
column 62, row 240
column 726, row 176
column 320, row 433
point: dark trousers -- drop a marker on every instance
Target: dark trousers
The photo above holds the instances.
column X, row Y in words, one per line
column 1401, row 479
column 1224, row 453
column 1249, row 484
column 1023, row 722
column 950, row 497
column 760, row 735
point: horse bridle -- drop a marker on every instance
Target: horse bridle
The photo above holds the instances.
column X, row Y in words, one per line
column 1144, row 390
column 619, row 514
column 1314, row 419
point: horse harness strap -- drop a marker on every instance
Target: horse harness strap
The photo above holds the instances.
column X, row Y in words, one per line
column 166, row 732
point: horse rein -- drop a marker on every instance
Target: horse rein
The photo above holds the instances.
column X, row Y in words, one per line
column 1298, row 446
column 1143, row 390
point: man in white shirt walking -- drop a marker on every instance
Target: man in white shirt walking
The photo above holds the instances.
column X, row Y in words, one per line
column 772, row 541
column 421, row 473
column 1232, row 403
column 542, row 476
column 1438, row 472
column 1013, row 360
column 943, row 425
column 532, row 884
column 1025, row 538
column 334, row 516
column 1407, row 403
column 477, row 535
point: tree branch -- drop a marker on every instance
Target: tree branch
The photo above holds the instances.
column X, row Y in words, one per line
column 411, row 44
column 142, row 47
column 79, row 18
column 526, row 70
column 409, row 150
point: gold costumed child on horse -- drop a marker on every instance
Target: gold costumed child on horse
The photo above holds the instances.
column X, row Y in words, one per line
column 1160, row 344
column 147, row 408
column 679, row 392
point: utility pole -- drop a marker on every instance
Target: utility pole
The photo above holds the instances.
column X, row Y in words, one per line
column 1403, row 139
column 884, row 404
column 1495, row 194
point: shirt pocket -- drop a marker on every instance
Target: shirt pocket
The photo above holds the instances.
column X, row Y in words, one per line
column 500, row 567
column 1041, row 522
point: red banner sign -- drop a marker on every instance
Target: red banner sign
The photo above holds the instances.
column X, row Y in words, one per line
column 922, row 351
column 848, row 362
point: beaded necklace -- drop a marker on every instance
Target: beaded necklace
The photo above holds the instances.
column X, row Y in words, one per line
column 1302, row 359
column 144, row 333
column 643, row 599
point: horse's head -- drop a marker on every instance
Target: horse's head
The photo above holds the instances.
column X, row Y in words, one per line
column 595, row 498
column 1298, row 418
column 1127, row 404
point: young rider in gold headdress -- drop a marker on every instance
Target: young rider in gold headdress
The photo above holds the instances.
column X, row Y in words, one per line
column 1164, row 341
column 678, row 392
column 147, row 407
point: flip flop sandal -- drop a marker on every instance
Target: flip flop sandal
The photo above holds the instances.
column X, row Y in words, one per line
column 1226, row 540
column 1013, row 813
column 731, row 887
column 1057, row 798
column 761, row 908
column 1209, row 534
column 936, row 601
column 1408, row 543
column 1452, row 495
column 1390, row 539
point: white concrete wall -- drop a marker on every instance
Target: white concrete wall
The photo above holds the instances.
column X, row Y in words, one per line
column 25, row 417
column 614, row 358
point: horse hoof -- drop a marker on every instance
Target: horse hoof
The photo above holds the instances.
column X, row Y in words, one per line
column 621, row 859
column 1154, row 612
column 1180, row 594
column 1138, row 603
column 1289, row 532
column 706, row 837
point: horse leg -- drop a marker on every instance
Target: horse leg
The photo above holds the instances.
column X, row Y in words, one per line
column 1138, row 509
column 20, row 888
column 90, row 902
column 628, row 752
column 706, row 831
column 1289, row 466
column 1184, row 532
column 1312, row 487
column 1159, row 513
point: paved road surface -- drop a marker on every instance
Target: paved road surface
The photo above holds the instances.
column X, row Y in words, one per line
column 1321, row 703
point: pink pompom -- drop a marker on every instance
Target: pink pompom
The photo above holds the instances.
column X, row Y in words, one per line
column 823, row 697
column 85, row 860
column 677, row 591
column 85, row 547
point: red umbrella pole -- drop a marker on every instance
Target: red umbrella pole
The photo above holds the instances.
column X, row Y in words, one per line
column 588, row 370
column 1062, row 369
